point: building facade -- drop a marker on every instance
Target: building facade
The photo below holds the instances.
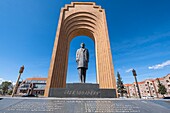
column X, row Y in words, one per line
column 37, row 89
column 148, row 87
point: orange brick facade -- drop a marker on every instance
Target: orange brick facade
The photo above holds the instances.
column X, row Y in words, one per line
column 81, row 18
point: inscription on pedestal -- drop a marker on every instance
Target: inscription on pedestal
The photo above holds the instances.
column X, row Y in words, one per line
column 82, row 93
column 86, row 90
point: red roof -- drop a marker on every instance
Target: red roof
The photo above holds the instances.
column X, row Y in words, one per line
column 160, row 78
column 38, row 79
column 127, row 84
column 141, row 82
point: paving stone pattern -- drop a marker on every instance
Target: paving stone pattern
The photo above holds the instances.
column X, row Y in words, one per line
column 78, row 105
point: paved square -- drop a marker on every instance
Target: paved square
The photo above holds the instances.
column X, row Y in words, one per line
column 82, row 105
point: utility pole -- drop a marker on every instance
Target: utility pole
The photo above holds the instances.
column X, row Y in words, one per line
column 134, row 74
column 17, row 83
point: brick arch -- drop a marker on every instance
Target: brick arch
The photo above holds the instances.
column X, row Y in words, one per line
column 81, row 18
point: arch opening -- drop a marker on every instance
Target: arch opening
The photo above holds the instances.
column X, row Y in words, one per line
column 72, row 73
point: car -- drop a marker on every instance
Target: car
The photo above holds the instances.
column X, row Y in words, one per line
column 148, row 97
column 29, row 95
column 123, row 97
column 166, row 98
column 144, row 97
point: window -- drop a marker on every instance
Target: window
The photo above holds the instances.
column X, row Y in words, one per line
column 167, row 80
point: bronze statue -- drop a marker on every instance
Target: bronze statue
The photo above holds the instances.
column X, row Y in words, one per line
column 82, row 59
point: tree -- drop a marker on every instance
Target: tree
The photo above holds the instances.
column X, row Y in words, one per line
column 120, row 86
column 5, row 86
column 161, row 88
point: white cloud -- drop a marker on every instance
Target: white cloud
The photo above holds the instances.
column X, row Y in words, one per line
column 159, row 66
column 129, row 70
column 2, row 80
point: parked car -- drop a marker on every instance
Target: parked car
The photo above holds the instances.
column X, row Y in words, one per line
column 166, row 98
column 29, row 95
column 144, row 97
column 148, row 97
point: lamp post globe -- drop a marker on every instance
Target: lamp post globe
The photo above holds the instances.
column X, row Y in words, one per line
column 134, row 72
column 21, row 69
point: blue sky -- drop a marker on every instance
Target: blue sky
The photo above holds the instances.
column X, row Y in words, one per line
column 139, row 32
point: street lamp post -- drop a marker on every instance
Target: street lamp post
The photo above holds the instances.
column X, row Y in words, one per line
column 135, row 90
column 17, row 83
column 134, row 74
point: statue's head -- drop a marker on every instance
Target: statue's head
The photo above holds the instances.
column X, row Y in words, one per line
column 82, row 45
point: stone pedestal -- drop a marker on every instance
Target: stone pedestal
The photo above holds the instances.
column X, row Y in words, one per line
column 82, row 90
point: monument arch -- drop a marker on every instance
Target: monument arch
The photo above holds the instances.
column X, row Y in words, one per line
column 81, row 18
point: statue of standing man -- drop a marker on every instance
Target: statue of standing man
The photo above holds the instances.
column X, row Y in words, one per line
column 82, row 59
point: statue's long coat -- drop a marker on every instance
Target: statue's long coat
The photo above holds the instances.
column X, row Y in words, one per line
column 82, row 58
